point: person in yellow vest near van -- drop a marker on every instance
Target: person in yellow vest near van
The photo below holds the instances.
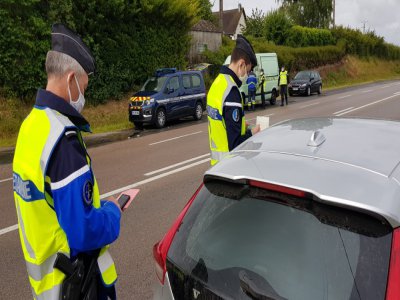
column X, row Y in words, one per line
column 227, row 127
column 262, row 86
column 283, row 82
column 64, row 227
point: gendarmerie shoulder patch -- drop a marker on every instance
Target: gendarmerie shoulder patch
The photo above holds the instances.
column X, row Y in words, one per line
column 87, row 192
column 236, row 115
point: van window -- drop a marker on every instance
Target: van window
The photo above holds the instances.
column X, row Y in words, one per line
column 270, row 65
column 196, row 81
column 173, row 83
column 186, row 81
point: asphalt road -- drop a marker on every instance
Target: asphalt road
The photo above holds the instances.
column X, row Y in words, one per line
column 167, row 166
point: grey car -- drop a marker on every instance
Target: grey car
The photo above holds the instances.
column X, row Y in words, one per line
column 306, row 209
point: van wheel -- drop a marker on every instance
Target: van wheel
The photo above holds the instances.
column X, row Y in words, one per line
column 161, row 118
column 198, row 113
column 320, row 90
column 272, row 101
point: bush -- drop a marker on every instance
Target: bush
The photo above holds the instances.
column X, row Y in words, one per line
column 299, row 36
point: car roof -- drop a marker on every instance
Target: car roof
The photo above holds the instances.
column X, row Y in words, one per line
column 178, row 72
column 348, row 162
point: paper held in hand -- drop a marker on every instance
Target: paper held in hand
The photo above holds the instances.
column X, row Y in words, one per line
column 263, row 122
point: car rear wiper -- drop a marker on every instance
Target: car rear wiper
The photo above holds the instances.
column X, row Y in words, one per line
column 251, row 286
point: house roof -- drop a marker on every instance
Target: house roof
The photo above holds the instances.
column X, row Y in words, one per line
column 231, row 19
column 206, row 26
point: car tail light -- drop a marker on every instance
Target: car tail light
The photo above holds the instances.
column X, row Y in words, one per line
column 393, row 286
column 277, row 188
column 160, row 249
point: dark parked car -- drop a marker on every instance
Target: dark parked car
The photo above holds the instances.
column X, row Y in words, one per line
column 305, row 83
column 169, row 94
column 307, row 209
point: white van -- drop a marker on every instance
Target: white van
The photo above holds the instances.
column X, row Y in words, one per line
column 269, row 63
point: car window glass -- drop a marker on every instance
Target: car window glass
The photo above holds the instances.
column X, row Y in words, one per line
column 196, row 81
column 154, row 84
column 289, row 249
column 173, row 83
column 186, row 81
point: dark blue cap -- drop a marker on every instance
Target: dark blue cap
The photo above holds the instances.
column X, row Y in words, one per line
column 243, row 44
column 66, row 41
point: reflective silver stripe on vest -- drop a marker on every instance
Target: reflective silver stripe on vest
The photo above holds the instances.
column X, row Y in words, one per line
column 37, row 272
column 57, row 124
column 105, row 261
column 52, row 294
column 22, row 227
column 228, row 88
column 218, row 155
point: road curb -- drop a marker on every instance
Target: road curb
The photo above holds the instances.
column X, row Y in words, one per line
column 91, row 140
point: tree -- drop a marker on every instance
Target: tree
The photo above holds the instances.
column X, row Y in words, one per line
column 255, row 24
column 309, row 13
column 276, row 26
column 205, row 11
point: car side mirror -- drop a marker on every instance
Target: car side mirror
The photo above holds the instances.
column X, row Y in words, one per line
column 312, row 78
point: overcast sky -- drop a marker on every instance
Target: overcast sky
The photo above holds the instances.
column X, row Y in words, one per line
column 383, row 16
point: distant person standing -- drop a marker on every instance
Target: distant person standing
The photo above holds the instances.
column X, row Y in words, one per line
column 262, row 82
column 283, row 82
column 252, row 87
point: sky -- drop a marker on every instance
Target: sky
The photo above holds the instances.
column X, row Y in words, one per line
column 378, row 15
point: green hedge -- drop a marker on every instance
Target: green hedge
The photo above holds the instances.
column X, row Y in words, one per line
column 129, row 39
column 299, row 36
column 365, row 45
column 293, row 58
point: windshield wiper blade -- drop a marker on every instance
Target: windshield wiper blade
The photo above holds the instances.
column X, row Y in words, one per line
column 254, row 290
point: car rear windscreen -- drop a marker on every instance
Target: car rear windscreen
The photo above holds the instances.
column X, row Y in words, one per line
column 256, row 247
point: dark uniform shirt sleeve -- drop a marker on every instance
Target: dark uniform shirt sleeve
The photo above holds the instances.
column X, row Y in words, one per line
column 233, row 114
column 70, row 184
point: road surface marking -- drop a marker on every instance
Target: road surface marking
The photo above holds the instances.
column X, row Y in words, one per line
column 131, row 186
column 308, row 105
column 177, row 164
column 366, row 105
column 367, row 91
column 4, row 180
column 340, row 111
column 175, row 138
column 344, row 96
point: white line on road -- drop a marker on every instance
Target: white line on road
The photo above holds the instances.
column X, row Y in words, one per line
column 366, row 105
column 338, row 112
column 4, row 180
column 177, row 164
column 8, row 229
column 308, row 105
column 344, row 96
column 131, row 186
column 174, row 138
column 367, row 91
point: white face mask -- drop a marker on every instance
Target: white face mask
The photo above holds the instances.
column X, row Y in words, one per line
column 244, row 77
column 80, row 102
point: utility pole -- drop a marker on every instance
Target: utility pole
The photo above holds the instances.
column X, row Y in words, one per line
column 221, row 16
column 364, row 22
column 334, row 8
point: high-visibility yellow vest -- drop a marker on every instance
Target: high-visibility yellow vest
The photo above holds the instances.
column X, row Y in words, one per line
column 217, row 134
column 283, row 77
column 40, row 233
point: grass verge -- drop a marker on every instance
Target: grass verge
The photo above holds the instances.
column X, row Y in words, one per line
column 113, row 116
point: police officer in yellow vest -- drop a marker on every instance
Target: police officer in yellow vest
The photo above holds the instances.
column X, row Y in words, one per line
column 283, row 82
column 56, row 193
column 227, row 127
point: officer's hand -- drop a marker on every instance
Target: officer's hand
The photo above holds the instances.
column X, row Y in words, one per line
column 113, row 200
column 255, row 129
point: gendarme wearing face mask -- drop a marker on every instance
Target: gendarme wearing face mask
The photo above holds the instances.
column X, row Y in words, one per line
column 80, row 102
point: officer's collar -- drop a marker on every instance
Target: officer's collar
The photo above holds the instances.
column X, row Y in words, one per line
column 226, row 70
column 46, row 98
